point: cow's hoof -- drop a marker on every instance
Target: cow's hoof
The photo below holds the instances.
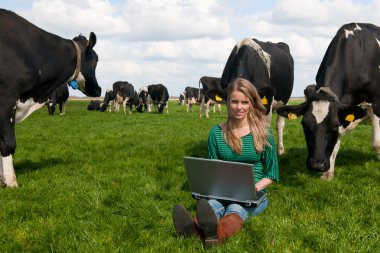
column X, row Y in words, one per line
column 327, row 176
column 10, row 184
column 280, row 150
column 13, row 185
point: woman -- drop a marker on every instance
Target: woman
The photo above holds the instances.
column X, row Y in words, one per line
column 244, row 137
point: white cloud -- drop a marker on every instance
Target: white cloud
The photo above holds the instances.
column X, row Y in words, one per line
column 174, row 20
column 73, row 17
column 175, row 42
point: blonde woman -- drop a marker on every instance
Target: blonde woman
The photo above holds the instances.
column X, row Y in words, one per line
column 244, row 137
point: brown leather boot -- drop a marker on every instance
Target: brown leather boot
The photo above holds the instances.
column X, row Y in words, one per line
column 228, row 226
column 208, row 222
column 216, row 232
column 184, row 224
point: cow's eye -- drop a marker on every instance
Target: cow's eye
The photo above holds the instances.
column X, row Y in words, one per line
column 335, row 127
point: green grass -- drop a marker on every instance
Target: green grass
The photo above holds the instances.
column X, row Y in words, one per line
column 107, row 182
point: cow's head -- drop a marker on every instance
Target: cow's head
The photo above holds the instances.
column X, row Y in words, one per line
column 86, row 79
column 181, row 99
column 51, row 107
column 266, row 95
column 142, row 100
column 217, row 94
column 323, row 118
column 161, row 106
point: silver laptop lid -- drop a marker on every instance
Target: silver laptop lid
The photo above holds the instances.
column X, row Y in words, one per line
column 219, row 179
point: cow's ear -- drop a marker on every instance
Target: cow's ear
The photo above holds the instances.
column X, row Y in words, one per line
column 216, row 96
column 291, row 111
column 91, row 40
column 266, row 94
column 348, row 114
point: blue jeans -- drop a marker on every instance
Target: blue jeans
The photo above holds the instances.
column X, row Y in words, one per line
column 244, row 212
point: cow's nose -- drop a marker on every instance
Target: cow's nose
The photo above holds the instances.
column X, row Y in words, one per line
column 318, row 165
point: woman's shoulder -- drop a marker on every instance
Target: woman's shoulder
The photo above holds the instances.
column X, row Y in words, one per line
column 216, row 128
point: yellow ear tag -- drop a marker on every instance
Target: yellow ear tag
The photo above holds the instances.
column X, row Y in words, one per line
column 264, row 101
column 292, row 116
column 217, row 98
column 350, row 117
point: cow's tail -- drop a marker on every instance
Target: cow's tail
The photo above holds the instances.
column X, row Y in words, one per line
column 199, row 89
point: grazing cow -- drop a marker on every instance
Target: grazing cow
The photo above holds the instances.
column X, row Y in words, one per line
column 181, row 99
column 270, row 67
column 191, row 97
column 136, row 102
column 209, row 85
column 124, row 93
column 109, row 100
column 348, row 78
column 308, row 91
column 158, row 95
column 142, row 99
column 120, row 93
column 33, row 63
column 94, row 105
column 58, row 96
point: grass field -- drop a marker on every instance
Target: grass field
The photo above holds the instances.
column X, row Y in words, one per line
column 107, row 182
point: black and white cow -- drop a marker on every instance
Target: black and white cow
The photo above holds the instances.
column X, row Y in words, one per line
column 181, row 99
column 159, row 96
column 192, row 96
column 109, row 100
column 59, row 96
column 143, row 95
column 347, row 79
column 33, row 63
column 309, row 90
column 122, row 93
column 136, row 102
column 209, row 85
column 270, row 67
column 94, row 105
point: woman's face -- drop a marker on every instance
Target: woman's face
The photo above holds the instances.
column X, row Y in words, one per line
column 239, row 105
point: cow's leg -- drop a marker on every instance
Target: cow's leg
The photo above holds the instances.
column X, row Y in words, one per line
column 125, row 105
column 60, row 105
column 167, row 108
column 329, row 174
column 9, row 176
column 375, row 131
column 280, row 134
column 8, row 142
column 219, row 108
column 207, row 108
column 201, row 106
column 1, row 171
column 187, row 107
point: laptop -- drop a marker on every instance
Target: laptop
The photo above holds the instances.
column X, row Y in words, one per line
column 222, row 180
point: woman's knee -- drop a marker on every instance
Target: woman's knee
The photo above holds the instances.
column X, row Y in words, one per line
column 218, row 208
column 237, row 209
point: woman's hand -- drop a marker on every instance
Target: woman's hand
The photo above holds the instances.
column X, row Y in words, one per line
column 263, row 183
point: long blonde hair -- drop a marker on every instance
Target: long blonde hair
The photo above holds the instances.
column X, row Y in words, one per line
column 256, row 117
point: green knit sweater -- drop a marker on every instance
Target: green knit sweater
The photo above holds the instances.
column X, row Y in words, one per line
column 265, row 165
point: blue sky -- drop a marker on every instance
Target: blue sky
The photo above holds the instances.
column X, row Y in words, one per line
column 175, row 42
